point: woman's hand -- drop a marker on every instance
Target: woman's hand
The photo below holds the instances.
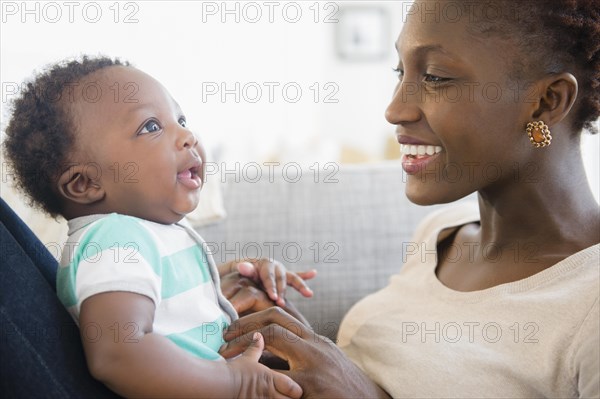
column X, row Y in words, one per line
column 315, row 362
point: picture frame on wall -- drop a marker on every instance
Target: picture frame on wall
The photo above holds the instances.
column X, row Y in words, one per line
column 362, row 33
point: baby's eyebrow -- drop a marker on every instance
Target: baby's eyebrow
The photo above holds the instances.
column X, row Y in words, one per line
column 177, row 106
column 139, row 106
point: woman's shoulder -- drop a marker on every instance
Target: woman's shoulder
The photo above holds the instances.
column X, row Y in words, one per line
column 446, row 217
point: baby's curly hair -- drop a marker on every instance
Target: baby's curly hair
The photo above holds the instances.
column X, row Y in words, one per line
column 554, row 36
column 41, row 131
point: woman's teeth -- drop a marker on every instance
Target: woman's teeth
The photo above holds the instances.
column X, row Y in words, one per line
column 416, row 150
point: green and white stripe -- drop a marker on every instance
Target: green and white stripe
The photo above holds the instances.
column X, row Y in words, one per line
column 166, row 263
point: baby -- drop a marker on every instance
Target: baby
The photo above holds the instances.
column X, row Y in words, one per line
column 114, row 156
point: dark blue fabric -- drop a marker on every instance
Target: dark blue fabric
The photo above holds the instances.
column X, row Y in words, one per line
column 33, row 247
column 40, row 350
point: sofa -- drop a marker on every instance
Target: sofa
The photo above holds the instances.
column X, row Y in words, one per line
column 352, row 223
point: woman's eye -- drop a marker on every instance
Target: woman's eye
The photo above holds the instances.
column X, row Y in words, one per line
column 182, row 122
column 150, row 127
column 434, row 79
column 399, row 72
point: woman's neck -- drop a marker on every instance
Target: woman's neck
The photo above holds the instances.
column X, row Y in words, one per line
column 553, row 208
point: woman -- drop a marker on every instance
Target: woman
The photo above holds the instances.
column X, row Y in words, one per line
column 492, row 98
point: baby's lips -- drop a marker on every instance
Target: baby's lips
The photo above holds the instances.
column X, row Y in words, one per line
column 186, row 174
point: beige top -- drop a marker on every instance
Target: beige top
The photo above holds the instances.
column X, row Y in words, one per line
column 536, row 337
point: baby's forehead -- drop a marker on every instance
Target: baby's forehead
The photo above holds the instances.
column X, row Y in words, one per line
column 116, row 77
column 117, row 84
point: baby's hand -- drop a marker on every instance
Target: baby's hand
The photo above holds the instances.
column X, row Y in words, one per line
column 273, row 277
column 255, row 380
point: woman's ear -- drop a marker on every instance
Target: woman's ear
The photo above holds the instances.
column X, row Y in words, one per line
column 81, row 185
column 556, row 96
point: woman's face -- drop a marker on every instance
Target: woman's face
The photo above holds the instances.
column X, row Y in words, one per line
column 454, row 93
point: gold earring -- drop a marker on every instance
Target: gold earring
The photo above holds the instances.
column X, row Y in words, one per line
column 539, row 134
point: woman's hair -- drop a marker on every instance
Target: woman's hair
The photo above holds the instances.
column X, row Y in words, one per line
column 553, row 36
column 41, row 131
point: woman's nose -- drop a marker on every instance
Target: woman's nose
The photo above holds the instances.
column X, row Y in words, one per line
column 404, row 107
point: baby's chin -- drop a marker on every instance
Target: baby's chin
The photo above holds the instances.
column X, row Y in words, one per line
column 166, row 220
column 169, row 217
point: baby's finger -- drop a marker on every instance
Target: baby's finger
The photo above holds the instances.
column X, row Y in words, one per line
column 248, row 270
column 267, row 277
column 308, row 275
column 299, row 284
column 281, row 278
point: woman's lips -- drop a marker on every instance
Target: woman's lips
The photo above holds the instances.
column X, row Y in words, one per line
column 416, row 157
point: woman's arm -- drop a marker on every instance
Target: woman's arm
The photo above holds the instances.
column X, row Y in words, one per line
column 124, row 353
column 316, row 363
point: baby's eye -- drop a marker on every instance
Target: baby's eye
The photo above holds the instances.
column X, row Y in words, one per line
column 150, row 127
column 182, row 122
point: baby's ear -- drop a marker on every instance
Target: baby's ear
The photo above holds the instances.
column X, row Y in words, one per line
column 81, row 184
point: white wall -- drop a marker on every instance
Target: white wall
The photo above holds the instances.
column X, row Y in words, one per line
column 187, row 47
column 171, row 42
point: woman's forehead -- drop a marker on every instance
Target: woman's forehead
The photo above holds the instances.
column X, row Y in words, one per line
column 449, row 38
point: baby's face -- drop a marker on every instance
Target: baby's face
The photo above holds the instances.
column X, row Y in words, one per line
column 149, row 164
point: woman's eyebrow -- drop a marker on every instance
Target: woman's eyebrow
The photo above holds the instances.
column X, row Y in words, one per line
column 424, row 49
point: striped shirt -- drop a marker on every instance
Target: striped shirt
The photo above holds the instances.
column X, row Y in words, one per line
column 167, row 263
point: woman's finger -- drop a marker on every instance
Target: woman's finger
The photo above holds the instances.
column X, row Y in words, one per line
column 226, row 268
column 282, row 342
column 230, row 285
column 250, row 299
column 258, row 320
column 285, row 386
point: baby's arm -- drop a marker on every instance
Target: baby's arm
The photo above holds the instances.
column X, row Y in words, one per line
column 123, row 352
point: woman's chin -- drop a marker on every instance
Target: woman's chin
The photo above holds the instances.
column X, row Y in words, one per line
column 425, row 196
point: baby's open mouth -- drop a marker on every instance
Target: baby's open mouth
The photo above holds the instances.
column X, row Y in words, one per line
column 190, row 177
column 188, row 173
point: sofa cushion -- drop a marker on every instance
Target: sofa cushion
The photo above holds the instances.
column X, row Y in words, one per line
column 351, row 223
